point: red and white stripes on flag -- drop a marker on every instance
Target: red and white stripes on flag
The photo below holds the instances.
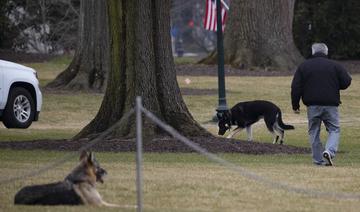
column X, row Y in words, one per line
column 210, row 20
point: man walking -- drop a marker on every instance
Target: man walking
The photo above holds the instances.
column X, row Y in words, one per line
column 318, row 82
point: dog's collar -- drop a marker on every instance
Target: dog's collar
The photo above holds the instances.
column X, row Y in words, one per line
column 229, row 112
column 232, row 121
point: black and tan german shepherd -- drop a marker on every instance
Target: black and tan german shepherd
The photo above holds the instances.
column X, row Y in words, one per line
column 244, row 114
column 78, row 188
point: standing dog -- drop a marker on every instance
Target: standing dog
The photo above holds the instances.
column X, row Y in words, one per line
column 77, row 188
column 244, row 114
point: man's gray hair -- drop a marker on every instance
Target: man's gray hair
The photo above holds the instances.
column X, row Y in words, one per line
column 319, row 48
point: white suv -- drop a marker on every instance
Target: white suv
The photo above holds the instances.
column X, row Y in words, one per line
column 20, row 95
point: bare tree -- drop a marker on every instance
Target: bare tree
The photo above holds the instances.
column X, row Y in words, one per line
column 259, row 34
column 42, row 26
column 141, row 65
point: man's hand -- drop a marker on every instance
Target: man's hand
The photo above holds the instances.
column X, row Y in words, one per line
column 297, row 111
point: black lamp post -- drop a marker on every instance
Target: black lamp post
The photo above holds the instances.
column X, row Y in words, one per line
column 221, row 74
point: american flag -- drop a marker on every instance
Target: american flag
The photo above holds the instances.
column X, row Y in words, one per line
column 210, row 20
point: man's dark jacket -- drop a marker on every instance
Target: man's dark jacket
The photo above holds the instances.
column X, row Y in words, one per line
column 318, row 81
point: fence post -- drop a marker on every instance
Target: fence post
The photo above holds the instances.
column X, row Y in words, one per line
column 139, row 154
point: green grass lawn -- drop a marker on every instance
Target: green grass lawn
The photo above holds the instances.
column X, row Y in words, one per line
column 190, row 182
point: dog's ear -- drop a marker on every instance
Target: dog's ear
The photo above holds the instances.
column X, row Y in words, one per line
column 91, row 157
column 83, row 155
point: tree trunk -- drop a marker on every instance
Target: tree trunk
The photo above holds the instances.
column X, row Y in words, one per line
column 141, row 65
column 89, row 67
column 258, row 34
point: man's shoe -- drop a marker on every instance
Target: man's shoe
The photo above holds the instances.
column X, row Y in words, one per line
column 327, row 156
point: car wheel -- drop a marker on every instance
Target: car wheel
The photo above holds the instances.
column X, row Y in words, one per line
column 20, row 109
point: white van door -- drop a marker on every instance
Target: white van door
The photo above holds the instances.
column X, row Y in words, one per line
column 2, row 89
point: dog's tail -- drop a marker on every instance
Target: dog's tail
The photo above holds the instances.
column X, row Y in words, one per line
column 281, row 123
column 117, row 206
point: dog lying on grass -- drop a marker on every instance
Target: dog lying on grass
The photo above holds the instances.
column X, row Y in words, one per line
column 78, row 187
column 245, row 114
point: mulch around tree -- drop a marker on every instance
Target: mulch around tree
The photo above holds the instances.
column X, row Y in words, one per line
column 160, row 145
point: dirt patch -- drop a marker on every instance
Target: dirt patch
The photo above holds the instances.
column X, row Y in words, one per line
column 211, row 70
column 165, row 144
column 21, row 57
column 189, row 69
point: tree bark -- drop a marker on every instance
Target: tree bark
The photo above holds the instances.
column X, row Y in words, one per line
column 89, row 67
column 141, row 65
column 258, row 34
